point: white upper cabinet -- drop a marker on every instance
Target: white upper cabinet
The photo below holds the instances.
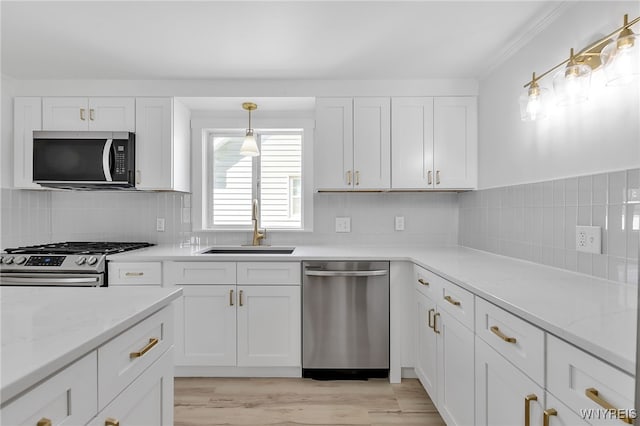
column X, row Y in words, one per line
column 455, row 143
column 82, row 114
column 434, row 143
column 163, row 134
column 353, row 146
column 27, row 117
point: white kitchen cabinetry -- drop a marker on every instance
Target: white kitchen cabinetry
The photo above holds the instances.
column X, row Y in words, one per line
column 559, row 414
column 353, row 148
column 82, row 114
column 434, row 143
column 135, row 273
column 238, row 315
column 27, row 117
column 163, row 134
column 445, row 348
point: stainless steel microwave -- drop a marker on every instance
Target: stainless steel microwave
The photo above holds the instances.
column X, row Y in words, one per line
column 84, row 160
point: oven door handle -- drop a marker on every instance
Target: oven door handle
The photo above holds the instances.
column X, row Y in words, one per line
column 323, row 273
column 81, row 282
column 106, row 167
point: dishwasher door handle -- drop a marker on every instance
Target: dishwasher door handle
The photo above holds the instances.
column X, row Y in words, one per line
column 372, row 273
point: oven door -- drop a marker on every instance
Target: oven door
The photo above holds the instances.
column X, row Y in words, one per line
column 51, row 279
column 83, row 159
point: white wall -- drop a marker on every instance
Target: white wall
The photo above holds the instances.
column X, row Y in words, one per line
column 600, row 135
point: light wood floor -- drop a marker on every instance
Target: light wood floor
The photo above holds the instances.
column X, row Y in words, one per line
column 222, row 401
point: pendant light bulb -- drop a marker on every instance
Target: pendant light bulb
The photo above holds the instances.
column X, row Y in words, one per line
column 572, row 84
column 249, row 146
column 533, row 102
column 622, row 57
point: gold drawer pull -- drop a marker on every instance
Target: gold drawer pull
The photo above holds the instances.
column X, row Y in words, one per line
column 592, row 394
column 349, row 177
column 452, row 301
column 429, row 177
column 44, row 422
column 134, row 274
column 495, row 330
column 152, row 342
column 110, row 421
column 431, row 322
column 435, row 317
column 230, row 297
column 548, row 413
column 527, row 408
column 423, row 282
column 240, row 298
column 357, row 177
column 82, row 114
column 92, row 116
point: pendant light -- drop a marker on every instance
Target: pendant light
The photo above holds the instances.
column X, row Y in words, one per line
column 621, row 57
column 249, row 146
column 571, row 84
column 534, row 101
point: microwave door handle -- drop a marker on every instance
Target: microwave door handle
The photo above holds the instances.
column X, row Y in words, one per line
column 106, row 167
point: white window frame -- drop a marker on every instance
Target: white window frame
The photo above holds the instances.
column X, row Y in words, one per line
column 203, row 127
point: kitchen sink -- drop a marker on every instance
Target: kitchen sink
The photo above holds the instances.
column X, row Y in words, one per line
column 248, row 250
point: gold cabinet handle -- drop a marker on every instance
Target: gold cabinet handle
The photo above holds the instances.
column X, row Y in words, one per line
column 435, row 317
column 423, row 282
column 593, row 394
column 431, row 312
column 44, row 422
column 452, row 301
column 110, row 421
column 429, row 177
column 240, row 298
column 495, row 330
column 134, row 274
column 548, row 413
column 357, row 177
column 82, row 114
column 231, row 297
column 349, row 177
column 92, row 113
column 437, row 177
column 152, row 342
column 527, row 408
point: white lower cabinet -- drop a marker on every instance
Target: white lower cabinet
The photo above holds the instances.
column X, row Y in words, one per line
column 426, row 365
column 558, row 414
column 146, row 401
column 505, row 396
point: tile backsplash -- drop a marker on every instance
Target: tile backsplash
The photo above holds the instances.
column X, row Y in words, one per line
column 537, row 222
column 25, row 217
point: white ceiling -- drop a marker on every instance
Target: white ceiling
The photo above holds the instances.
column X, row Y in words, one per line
column 322, row 40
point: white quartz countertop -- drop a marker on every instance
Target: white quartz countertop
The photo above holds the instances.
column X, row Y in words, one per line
column 594, row 314
column 45, row 329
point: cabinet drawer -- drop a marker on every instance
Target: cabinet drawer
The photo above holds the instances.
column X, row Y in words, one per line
column 123, row 358
column 458, row 302
column 204, row 273
column 281, row 273
column 571, row 373
column 68, row 397
column 139, row 273
column 497, row 327
column 427, row 283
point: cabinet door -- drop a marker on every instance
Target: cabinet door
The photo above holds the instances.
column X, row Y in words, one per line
column 333, row 153
column 426, row 365
column 371, row 143
column 154, row 131
column 206, row 326
column 146, row 401
column 27, row 117
column 455, row 142
column 455, row 371
column 112, row 114
column 502, row 391
column 269, row 326
column 65, row 114
column 412, row 143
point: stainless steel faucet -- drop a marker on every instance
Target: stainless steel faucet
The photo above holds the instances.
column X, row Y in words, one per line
column 257, row 235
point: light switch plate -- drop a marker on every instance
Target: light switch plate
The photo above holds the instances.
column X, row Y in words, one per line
column 343, row 224
column 589, row 239
column 160, row 224
column 399, row 223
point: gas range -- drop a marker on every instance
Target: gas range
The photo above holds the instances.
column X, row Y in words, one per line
column 74, row 263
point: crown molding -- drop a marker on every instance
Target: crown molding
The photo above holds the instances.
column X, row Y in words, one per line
column 528, row 33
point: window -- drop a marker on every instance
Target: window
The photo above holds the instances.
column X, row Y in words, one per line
column 274, row 178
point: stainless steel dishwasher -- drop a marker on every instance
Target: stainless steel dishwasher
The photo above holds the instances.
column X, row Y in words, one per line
column 345, row 320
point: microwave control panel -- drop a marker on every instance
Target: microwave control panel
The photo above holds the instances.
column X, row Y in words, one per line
column 120, row 166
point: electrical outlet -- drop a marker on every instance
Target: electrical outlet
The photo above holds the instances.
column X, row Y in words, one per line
column 160, row 224
column 589, row 239
column 399, row 223
column 343, row 224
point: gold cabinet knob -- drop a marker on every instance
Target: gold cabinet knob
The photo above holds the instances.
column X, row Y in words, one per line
column 44, row 422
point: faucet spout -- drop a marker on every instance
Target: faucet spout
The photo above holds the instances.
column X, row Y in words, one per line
column 257, row 235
